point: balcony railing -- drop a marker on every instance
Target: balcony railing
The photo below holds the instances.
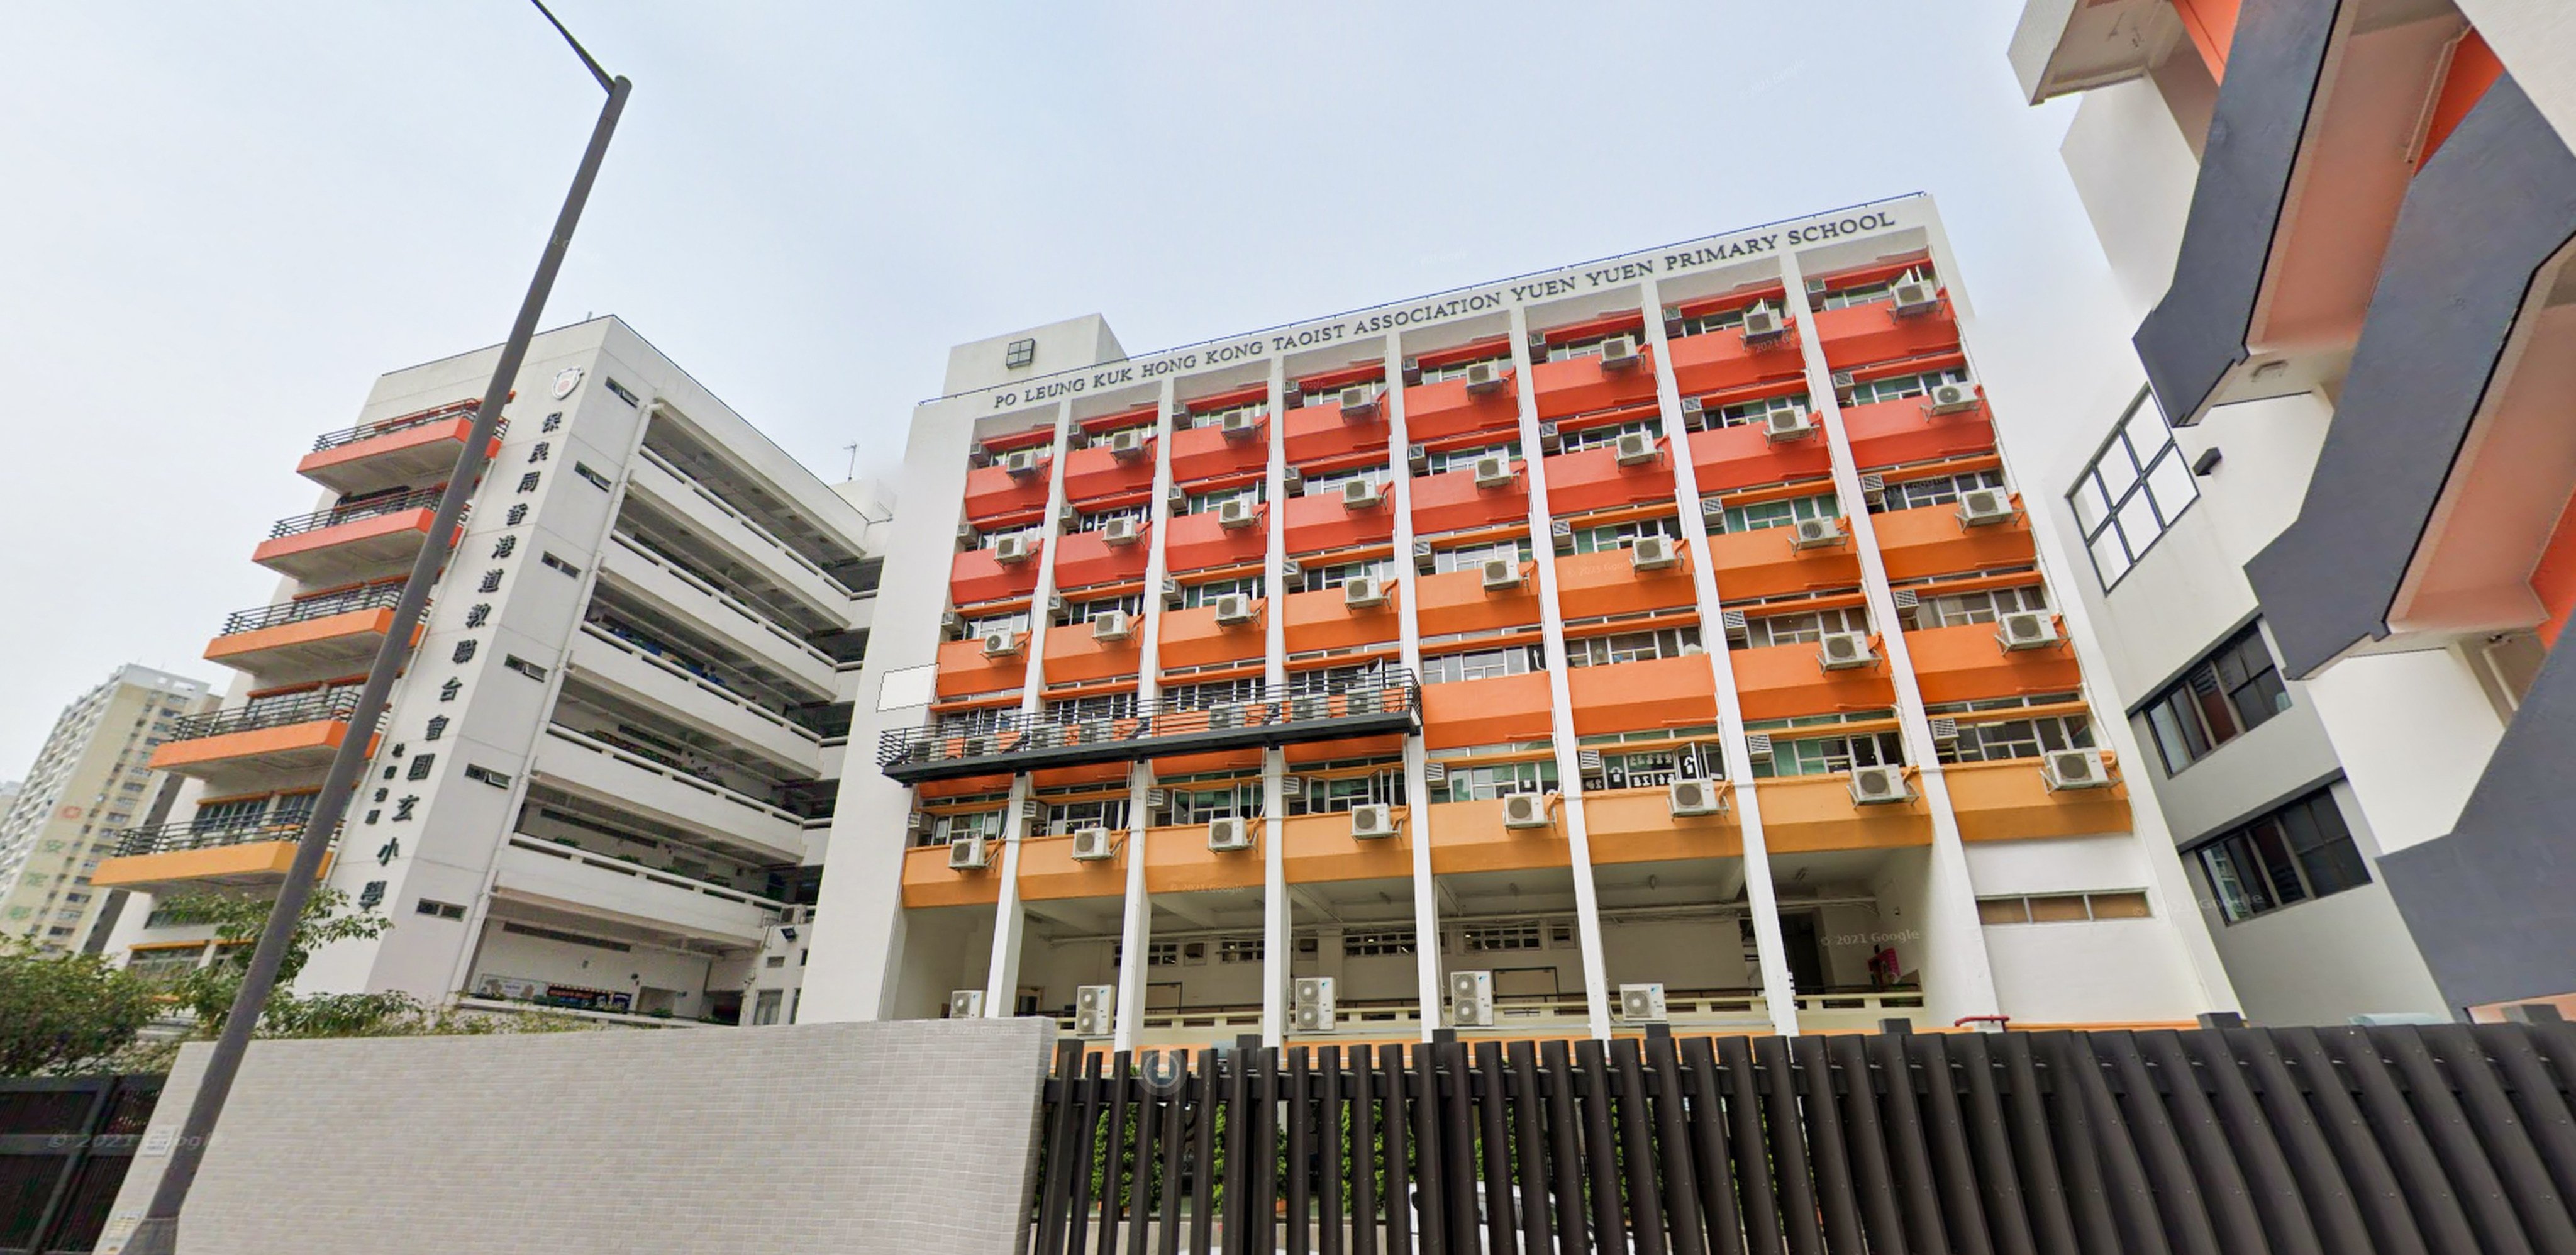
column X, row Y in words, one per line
column 416, row 499
column 190, row 835
column 387, row 426
column 338, row 703
column 1386, row 701
column 376, row 597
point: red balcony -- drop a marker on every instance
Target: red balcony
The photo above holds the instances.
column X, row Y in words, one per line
column 1593, row 479
column 1094, row 473
column 1437, row 411
column 994, row 493
column 977, row 577
column 1319, row 431
column 1763, row 563
column 1197, row 542
column 1074, row 656
column 1742, row 456
column 965, row 670
column 1193, row 638
column 1320, row 521
column 1083, row 559
column 350, row 541
column 1894, row 433
column 1857, row 335
column 1451, row 501
column 1717, row 361
column 1592, row 585
column 1457, row 602
column 392, row 452
column 1320, row 620
column 1581, row 385
column 1201, row 453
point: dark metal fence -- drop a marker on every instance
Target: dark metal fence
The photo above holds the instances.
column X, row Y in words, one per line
column 2452, row 1138
column 64, row 1148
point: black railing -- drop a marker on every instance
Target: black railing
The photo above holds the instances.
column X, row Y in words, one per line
column 350, row 512
column 386, row 426
column 1385, row 701
column 191, row 835
column 376, row 597
column 338, row 703
column 65, row 1143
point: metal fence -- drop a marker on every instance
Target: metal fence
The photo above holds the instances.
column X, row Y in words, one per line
column 2451, row 1138
column 64, row 1148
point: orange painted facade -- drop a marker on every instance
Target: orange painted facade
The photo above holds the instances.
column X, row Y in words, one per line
column 357, row 630
column 1893, row 433
column 1786, row 681
column 1470, row 837
column 1320, row 848
column 1193, row 638
column 1204, row 453
column 1580, row 385
column 2474, row 68
column 975, row 576
column 2212, row 27
column 250, row 864
column 1965, row 663
column 315, row 740
column 1318, row 431
column 1083, row 559
column 1719, row 361
column 927, row 881
column 1858, row 335
column 1607, row 583
column 1177, row 860
column 1762, row 563
column 1319, row 620
column 1073, row 657
column 964, row 669
column 390, row 534
column 1728, row 458
column 429, row 448
column 1049, row 872
column 1456, row 601
column 1095, row 473
column 2008, row 801
column 1930, row 540
column 1644, row 696
column 1493, row 711
column 1812, row 814
column 1437, row 411
column 1197, row 542
column 1592, row 479
column 1451, row 501
column 993, row 493
column 1638, row 826
column 1319, row 521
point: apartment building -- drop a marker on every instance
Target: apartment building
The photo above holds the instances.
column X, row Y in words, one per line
column 604, row 782
column 1656, row 638
column 2326, row 523
column 92, row 778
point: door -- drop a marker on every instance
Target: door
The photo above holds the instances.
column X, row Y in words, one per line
column 1806, row 958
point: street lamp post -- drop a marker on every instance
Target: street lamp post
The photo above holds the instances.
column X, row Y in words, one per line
column 158, row 1232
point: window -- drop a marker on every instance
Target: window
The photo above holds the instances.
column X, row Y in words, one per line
column 1939, row 490
column 1606, row 434
column 1340, row 793
column 1099, row 520
column 1469, row 784
column 2063, row 908
column 986, row 625
column 1438, row 461
column 1804, row 628
column 1483, row 664
column 1085, row 611
column 1612, row 536
column 438, row 910
column 1603, row 651
column 2291, row 855
column 1069, row 817
column 1714, row 320
column 1240, row 948
column 1203, row 696
column 1899, row 387
column 1458, row 370
column 1330, row 483
column 596, row 479
column 1207, row 594
column 1186, row 805
column 1825, row 755
column 498, row 780
column 560, row 565
column 947, row 828
column 2135, row 489
column 1762, row 514
column 1157, row 954
column 2222, row 697
column 164, row 964
column 1982, row 606
column 1362, row 943
column 524, row 667
column 2017, row 738
column 1075, row 710
column 1859, row 294
column 1216, row 418
column 1489, row 937
column 1319, row 578
column 1472, row 557
column 1214, row 499
column 1019, row 353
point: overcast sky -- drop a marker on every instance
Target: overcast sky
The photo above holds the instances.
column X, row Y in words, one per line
column 221, row 222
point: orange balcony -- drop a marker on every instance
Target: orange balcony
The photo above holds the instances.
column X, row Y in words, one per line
column 928, row 881
column 1786, row 681
column 976, row 576
column 1762, row 563
column 1193, row 638
column 1451, row 501
column 1644, row 696
column 1437, row 411
column 1591, row 585
column 1456, row 601
column 1319, row 620
column 1321, row 848
column 1930, row 540
column 412, row 449
column 1073, row 657
column 1083, row 559
column 1719, row 360
column 260, row 860
column 1049, row 872
column 1728, row 458
column 1346, row 748
column 994, row 493
column 350, row 542
column 1811, row 814
column 1580, row 385
column 1893, row 433
column 1320, row 521
column 1470, row 837
column 965, row 670
column 1197, row 542
column 333, row 634
column 270, row 737
column 1857, row 335
column 1491, row 711
column 1318, row 431
column 1093, row 473
column 1177, row 860
column 2009, row 801
column 1638, row 826
column 1206, row 453
column 1964, row 663
column 1592, row 479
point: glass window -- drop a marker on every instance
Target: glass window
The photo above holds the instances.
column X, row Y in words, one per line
column 1197, row 804
column 2299, row 852
column 1762, row 514
column 1206, row 594
column 1825, row 755
column 1468, row 784
column 1341, row 793
column 946, row 828
column 1458, row 370
column 2135, row 489
column 1483, row 664
column 1803, row 628
column 1471, row 557
column 1068, row 817
column 1319, row 578
column 2218, row 699
column 1330, row 483
column 1603, row 651
column 1899, row 387
column 1611, row 536
column 1983, row 606
column 1215, row 498
column 1939, row 490
column 1606, row 434
column 2017, row 738
column 1438, row 461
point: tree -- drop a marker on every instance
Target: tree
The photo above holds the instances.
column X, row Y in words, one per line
column 62, row 1015
column 209, row 991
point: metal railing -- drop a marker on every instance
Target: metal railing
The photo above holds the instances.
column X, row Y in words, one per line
column 374, row 597
column 191, row 835
column 1276, row 710
column 338, row 703
column 350, row 512
column 387, row 426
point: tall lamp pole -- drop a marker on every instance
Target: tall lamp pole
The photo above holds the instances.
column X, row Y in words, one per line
column 158, row 1232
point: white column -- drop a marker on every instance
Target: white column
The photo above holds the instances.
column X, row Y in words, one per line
column 1417, row 786
column 1771, row 951
column 1274, row 678
column 1002, row 977
column 1136, row 927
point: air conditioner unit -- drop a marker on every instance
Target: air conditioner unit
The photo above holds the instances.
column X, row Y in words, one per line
column 1817, row 287
column 1641, row 1004
column 1734, row 624
column 1876, row 786
column 1692, row 410
column 1110, row 625
column 1372, row 821
column 1095, row 1010
column 1055, row 607
column 1915, row 294
column 1842, row 651
column 1020, row 463
column 1230, row 833
column 1412, row 371
column 1694, row 797
column 1001, row 644
column 1944, row 728
column 1763, row 323
column 1011, row 549
column 1816, row 533
column 1547, row 440
column 1980, row 506
column 1127, row 445
column 1652, row 553
column 1234, row 608
column 1237, row 513
column 952, row 625
column 1637, row 448
column 1618, row 352
column 2026, row 629
column 1417, row 459
column 1501, row 573
column 1363, row 592
column 1068, row 519
column 1471, row 999
column 966, row 1004
column 1713, row 510
column 1494, row 472
column 966, row 853
column 1435, row 773
column 1362, row 701
column 1121, row 531
column 1360, row 494
column 975, row 747
column 1091, row 845
column 1240, row 425
column 1951, row 398
column 1561, row 533
column 1312, row 997
column 968, row 537
column 1308, row 706
column 1292, row 482
column 1093, row 731
column 1175, row 499
column 2074, row 769
column 1359, row 402
column 1483, row 377
column 1225, row 715
column 1757, row 746
column 1422, row 555
column 1787, row 424
column 1171, row 593
column 1526, row 810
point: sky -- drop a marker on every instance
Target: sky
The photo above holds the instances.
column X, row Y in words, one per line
column 221, row 222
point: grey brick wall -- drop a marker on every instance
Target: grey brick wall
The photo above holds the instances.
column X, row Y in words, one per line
column 912, row 1136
